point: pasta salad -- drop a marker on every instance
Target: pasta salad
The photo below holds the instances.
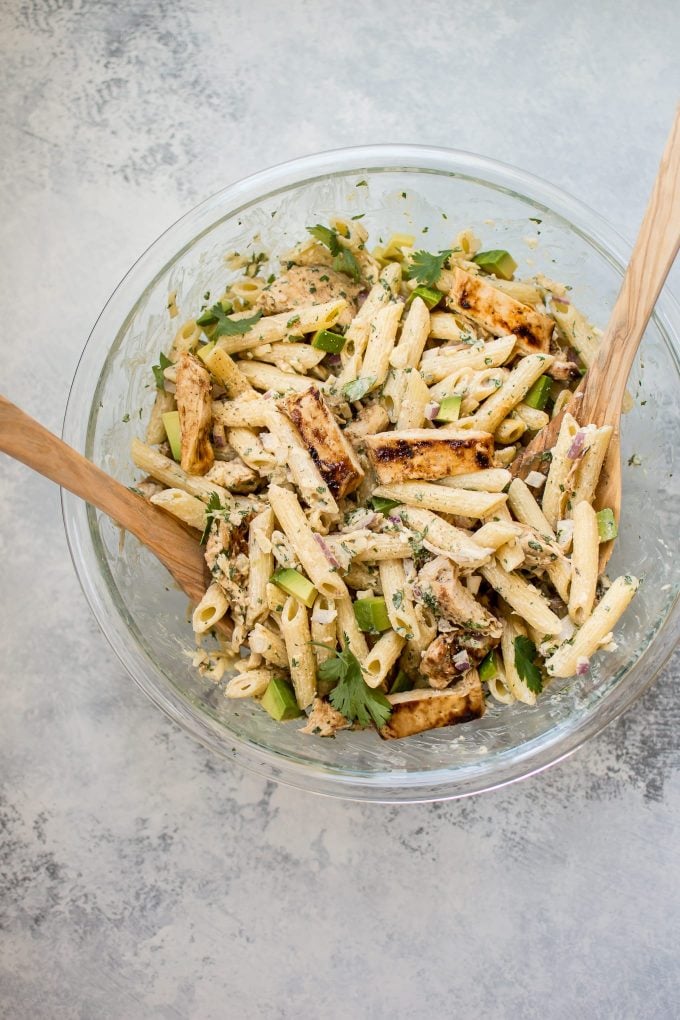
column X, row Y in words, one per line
column 339, row 434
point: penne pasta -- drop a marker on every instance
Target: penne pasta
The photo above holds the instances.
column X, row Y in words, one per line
column 289, row 514
column 301, row 661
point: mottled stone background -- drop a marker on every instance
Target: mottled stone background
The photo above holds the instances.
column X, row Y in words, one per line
column 140, row 877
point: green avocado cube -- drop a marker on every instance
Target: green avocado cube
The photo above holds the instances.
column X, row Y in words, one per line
column 325, row 340
column 173, row 432
column 607, row 527
column 496, row 263
column 371, row 615
column 449, row 409
column 296, row 584
column 488, row 667
column 430, row 295
column 279, row 700
column 401, row 683
column 539, row 394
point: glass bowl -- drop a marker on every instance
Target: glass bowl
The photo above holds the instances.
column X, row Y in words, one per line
column 432, row 193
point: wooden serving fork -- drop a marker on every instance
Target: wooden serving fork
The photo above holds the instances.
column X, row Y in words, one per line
column 23, row 438
column 599, row 396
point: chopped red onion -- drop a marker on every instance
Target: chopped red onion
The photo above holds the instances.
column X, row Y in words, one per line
column 333, row 360
column 269, row 394
column 578, row 446
column 431, row 411
column 218, row 440
column 324, row 616
column 564, row 532
column 582, row 665
column 567, row 629
column 360, row 520
column 327, row 551
column 461, row 661
column 535, row 479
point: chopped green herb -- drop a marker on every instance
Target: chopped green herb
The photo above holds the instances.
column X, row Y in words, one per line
column 361, row 184
column 343, row 259
column 213, row 509
column 426, row 268
column 126, row 417
column 525, row 664
column 218, row 323
column 352, row 696
column 158, row 370
column 383, row 505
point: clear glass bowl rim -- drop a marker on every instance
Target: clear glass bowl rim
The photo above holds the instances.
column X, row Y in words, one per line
column 389, row 787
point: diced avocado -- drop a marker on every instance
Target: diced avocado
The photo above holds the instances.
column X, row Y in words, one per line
column 449, row 409
column 325, row 340
column 279, row 700
column 296, row 584
column 539, row 394
column 173, row 432
column 205, row 350
column 382, row 504
column 496, row 263
column 429, row 295
column 401, row 683
column 607, row 527
column 488, row 667
column 371, row 614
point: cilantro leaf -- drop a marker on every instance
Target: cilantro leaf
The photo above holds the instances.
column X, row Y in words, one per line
column 352, row 696
column 344, row 260
column 425, row 267
column 327, row 236
column 357, row 388
column 213, row 509
column 158, row 370
column 218, row 322
column 525, row 655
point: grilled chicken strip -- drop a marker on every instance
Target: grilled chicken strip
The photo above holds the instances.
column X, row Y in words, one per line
column 334, row 456
column 417, row 711
column 194, row 403
column 439, row 662
column 428, row 453
column 500, row 313
column 450, row 599
column 309, row 285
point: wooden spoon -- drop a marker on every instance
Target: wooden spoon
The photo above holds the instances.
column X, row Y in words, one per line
column 599, row 396
column 23, row 438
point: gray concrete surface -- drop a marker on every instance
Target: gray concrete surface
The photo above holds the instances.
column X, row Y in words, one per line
column 141, row 878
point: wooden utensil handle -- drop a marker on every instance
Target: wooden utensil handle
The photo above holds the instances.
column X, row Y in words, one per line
column 655, row 249
column 25, row 439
